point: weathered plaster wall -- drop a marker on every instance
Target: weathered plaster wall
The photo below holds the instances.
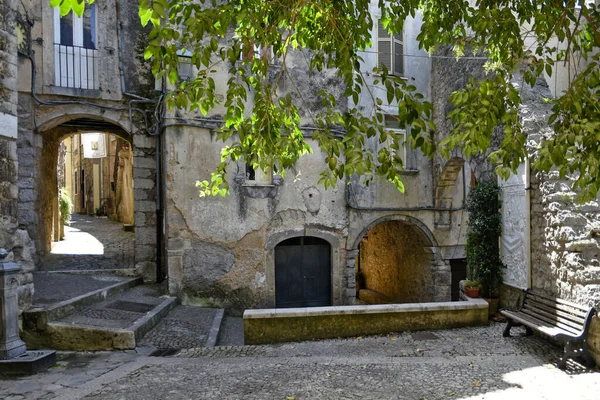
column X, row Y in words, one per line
column 393, row 262
column 221, row 249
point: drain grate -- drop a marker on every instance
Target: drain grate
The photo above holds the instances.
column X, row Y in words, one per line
column 130, row 306
column 164, row 352
column 424, row 336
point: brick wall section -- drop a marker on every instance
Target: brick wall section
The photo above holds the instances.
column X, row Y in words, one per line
column 13, row 239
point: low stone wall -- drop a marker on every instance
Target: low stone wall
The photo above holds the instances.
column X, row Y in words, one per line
column 296, row 324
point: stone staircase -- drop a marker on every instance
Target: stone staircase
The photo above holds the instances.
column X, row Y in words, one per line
column 114, row 315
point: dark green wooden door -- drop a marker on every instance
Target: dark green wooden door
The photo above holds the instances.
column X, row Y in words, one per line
column 303, row 273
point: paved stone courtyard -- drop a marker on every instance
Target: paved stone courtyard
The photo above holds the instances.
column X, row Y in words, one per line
column 468, row 363
column 183, row 328
column 91, row 243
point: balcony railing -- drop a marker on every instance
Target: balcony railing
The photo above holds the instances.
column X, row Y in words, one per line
column 76, row 67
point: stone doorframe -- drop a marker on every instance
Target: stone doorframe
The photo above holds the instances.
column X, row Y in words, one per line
column 440, row 268
column 337, row 257
column 144, row 170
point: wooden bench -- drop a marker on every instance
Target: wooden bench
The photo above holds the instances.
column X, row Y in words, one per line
column 562, row 320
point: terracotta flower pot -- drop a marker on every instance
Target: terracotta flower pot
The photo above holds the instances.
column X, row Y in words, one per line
column 472, row 292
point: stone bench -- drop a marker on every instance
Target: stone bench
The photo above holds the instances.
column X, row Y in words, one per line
column 559, row 319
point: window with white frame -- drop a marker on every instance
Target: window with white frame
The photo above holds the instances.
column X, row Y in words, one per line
column 256, row 176
column 390, row 50
column 186, row 68
column 391, row 124
column 75, row 54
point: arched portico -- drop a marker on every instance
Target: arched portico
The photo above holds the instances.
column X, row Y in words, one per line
column 40, row 140
column 407, row 256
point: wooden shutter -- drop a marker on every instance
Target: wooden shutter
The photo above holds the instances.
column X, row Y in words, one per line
column 384, row 47
column 399, row 54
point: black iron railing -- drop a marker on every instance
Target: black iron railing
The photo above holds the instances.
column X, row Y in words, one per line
column 76, row 67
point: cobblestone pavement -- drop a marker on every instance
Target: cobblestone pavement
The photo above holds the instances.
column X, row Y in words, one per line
column 469, row 363
column 91, row 243
column 184, row 327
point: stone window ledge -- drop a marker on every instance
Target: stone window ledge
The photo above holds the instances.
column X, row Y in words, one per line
column 259, row 190
column 409, row 172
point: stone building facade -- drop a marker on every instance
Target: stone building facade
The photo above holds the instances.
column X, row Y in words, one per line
column 237, row 251
column 271, row 233
column 13, row 237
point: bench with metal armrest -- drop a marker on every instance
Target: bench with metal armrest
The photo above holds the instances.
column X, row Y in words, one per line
column 560, row 319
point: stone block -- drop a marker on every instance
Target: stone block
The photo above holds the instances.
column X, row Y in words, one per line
column 26, row 195
column 145, row 206
column 143, row 184
column 140, row 219
column 26, row 183
column 147, row 270
column 144, row 141
column 140, row 194
column 144, row 252
column 145, row 235
column 142, row 173
column 143, row 162
column 442, row 278
column 176, row 244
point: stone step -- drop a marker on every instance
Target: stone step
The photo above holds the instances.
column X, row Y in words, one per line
column 61, row 295
column 117, row 323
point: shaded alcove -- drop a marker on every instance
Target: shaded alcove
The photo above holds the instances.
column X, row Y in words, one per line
column 394, row 266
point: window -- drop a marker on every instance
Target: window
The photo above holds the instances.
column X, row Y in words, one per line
column 258, row 176
column 391, row 124
column 186, row 69
column 76, row 182
column 390, row 50
column 75, row 54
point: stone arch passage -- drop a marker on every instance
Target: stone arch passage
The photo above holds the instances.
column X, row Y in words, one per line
column 396, row 260
column 38, row 209
column 394, row 265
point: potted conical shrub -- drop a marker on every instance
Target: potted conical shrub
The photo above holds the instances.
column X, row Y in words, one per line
column 483, row 252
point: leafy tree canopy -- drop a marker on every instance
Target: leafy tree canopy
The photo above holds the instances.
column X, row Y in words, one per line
column 516, row 37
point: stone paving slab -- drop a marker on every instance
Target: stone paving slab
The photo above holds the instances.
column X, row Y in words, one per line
column 108, row 314
column 54, row 288
column 468, row 363
column 183, row 328
column 92, row 244
column 232, row 332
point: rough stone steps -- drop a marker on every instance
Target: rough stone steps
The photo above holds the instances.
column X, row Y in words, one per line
column 60, row 295
column 115, row 323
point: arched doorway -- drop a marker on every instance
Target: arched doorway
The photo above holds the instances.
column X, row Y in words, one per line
column 303, row 272
column 394, row 265
column 88, row 162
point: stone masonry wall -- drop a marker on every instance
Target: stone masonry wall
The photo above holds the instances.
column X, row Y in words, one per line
column 565, row 235
column 565, row 243
column 16, row 241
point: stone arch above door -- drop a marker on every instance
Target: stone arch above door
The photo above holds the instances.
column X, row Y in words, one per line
column 337, row 257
